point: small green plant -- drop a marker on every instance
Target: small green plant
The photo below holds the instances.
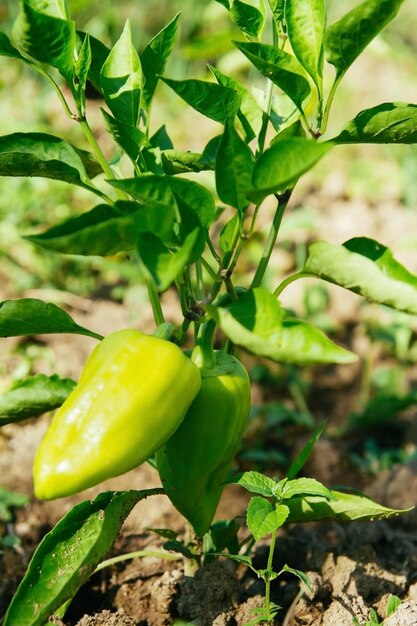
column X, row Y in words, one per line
column 393, row 604
column 175, row 229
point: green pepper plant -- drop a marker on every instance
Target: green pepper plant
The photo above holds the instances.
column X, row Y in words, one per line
column 141, row 396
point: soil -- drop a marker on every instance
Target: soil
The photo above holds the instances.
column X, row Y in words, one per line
column 353, row 567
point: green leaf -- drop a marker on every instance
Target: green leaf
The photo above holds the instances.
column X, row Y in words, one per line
column 345, row 507
column 229, row 234
column 392, row 605
column 33, row 396
column 303, row 455
column 154, row 58
column 168, row 191
column 305, row 487
column 129, row 138
column 8, row 500
column 34, row 317
column 301, row 575
column 256, row 322
column 44, row 32
column 39, row 154
column 99, row 53
column 294, row 130
column 214, row 101
column 69, row 554
column 164, row 266
column 250, row 113
column 121, row 79
column 256, row 483
column 247, row 17
column 282, row 164
column 8, row 50
column 347, row 38
column 176, row 162
column 152, row 152
column 234, row 166
column 392, row 122
column 366, row 267
column 263, row 518
column 278, row 9
column 82, row 68
column 306, row 23
column 105, row 230
column 280, row 67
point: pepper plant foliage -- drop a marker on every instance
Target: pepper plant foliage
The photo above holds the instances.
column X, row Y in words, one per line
column 169, row 221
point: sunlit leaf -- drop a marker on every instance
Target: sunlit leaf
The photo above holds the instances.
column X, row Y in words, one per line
column 69, row 554
column 306, row 21
column 280, row 67
column 33, row 396
column 392, row 122
column 105, row 230
column 234, row 166
column 249, row 19
column 366, row 267
column 44, row 32
column 29, row 316
column 344, row 507
column 215, row 101
column 283, row 163
column 155, row 56
column 257, row 322
column 263, row 518
column 121, row 79
column 348, row 37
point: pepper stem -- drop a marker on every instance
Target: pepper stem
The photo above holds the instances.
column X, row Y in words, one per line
column 203, row 353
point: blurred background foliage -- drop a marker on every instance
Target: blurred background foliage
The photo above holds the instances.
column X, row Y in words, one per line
column 386, row 72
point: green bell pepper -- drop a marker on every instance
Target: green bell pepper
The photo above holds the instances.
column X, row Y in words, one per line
column 195, row 462
column 132, row 395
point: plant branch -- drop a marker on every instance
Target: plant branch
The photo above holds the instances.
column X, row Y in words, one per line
column 99, row 154
column 155, row 302
column 283, row 200
column 289, row 280
column 329, row 103
column 268, row 575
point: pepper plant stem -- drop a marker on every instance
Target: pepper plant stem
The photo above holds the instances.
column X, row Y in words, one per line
column 99, row 155
column 272, row 237
column 290, row 280
column 155, row 303
column 268, row 576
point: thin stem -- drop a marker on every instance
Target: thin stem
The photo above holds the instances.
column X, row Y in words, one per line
column 237, row 254
column 329, row 103
column 199, row 280
column 155, row 302
column 213, row 250
column 96, row 149
column 210, row 270
column 269, row 572
column 289, row 280
column 272, row 237
column 307, row 126
column 134, row 555
column 268, row 97
column 100, row 156
column 59, row 93
column 182, row 332
column 253, row 221
column 230, row 288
